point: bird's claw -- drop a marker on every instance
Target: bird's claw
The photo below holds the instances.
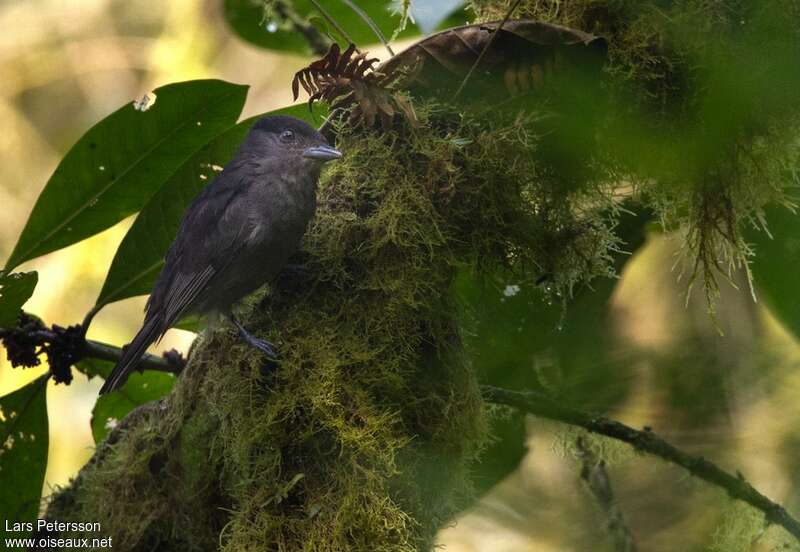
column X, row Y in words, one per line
column 261, row 344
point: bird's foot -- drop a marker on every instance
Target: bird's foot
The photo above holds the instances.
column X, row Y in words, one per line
column 295, row 268
column 261, row 344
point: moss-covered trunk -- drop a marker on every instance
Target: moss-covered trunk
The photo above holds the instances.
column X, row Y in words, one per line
column 361, row 437
column 326, row 453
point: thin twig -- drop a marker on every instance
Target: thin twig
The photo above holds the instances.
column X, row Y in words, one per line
column 594, row 474
column 318, row 43
column 103, row 351
column 646, row 441
column 486, row 48
column 372, row 25
column 333, row 23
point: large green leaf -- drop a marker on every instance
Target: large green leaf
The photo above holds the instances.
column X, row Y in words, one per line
column 15, row 289
column 140, row 388
column 141, row 254
column 776, row 265
column 113, row 170
column 252, row 22
column 23, row 451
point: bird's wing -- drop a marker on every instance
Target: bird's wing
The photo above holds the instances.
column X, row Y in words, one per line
column 210, row 237
column 208, row 240
column 184, row 289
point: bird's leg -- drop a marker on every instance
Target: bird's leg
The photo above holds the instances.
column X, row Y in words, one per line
column 297, row 264
column 295, row 268
column 261, row 344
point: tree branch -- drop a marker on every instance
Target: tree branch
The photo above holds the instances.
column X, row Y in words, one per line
column 646, row 441
column 594, row 474
column 66, row 347
column 171, row 361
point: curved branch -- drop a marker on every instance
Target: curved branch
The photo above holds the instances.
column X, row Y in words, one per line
column 647, row 441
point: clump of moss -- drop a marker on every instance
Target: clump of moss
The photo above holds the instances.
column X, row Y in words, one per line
column 573, row 443
column 363, row 435
column 739, row 529
column 703, row 116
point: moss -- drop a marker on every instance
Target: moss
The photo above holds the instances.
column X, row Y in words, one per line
column 573, row 443
column 739, row 529
column 702, row 119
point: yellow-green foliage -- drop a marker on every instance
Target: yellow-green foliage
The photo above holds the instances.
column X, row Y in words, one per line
column 361, row 439
column 611, row 452
column 739, row 529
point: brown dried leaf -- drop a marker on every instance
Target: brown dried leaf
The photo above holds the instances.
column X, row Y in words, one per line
column 523, row 56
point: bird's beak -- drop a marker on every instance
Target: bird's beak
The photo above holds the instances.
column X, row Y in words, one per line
column 322, row 153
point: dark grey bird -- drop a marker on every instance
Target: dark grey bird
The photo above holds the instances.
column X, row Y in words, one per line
column 237, row 234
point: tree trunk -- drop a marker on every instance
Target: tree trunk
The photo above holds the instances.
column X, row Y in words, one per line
column 359, row 439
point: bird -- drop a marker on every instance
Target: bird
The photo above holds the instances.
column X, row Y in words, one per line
column 237, row 234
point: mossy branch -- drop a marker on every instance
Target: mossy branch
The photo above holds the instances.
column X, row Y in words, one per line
column 646, row 441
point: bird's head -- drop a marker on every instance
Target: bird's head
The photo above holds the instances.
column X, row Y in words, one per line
column 291, row 139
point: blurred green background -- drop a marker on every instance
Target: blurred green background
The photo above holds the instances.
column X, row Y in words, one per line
column 731, row 397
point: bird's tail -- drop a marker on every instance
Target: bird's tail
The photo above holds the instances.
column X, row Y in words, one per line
column 151, row 330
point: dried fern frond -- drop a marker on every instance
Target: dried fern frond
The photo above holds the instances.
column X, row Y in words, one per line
column 346, row 79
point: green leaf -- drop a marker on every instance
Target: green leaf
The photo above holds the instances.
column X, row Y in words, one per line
column 15, row 290
column 94, row 367
column 776, row 265
column 140, row 388
column 114, row 169
column 140, row 256
column 255, row 24
column 23, row 451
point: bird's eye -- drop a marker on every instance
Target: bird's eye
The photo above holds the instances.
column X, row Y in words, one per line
column 287, row 136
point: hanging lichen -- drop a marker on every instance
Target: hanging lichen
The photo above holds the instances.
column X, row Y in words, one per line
column 703, row 115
